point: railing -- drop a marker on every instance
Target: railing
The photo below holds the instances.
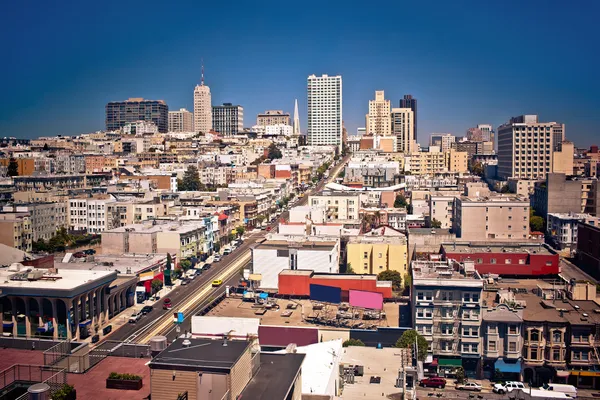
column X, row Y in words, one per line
column 57, row 353
column 30, row 374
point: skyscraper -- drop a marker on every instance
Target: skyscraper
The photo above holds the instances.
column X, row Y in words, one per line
column 442, row 140
column 403, row 128
column 121, row 113
column 228, row 119
column 202, row 107
column 525, row 148
column 325, row 111
column 181, row 121
column 296, row 119
column 409, row 102
column 379, row 122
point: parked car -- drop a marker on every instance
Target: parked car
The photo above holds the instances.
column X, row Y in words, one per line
column 217, row 258
column 79, row 254
column 185, row 281
column 206, row 267
column 146, row 309
column 167, row 304
column 227, row 251
column 217, row 282
column 433, row 382
column 508, row 387
column 135, row 317
column 90, row 252
column 469, row 386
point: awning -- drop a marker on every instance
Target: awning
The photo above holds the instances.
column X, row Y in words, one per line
column 450, row 362
column 85, row 323
column 433, row 363
column 562, row 374
column 509, row 367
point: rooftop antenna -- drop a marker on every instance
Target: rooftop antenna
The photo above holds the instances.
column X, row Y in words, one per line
column 202, row 75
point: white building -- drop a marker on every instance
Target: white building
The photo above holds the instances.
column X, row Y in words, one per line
column 181, row 121
column 325, row 110
column 403, row 120
column 379, row 120
column 563, row 227
column 279, row 130
column 271, row 257
column 90, row 214
column 441, row 208
column 228, row 119
column 442, row 140
column 139, row 128
column 202, row 108
column 339, row 205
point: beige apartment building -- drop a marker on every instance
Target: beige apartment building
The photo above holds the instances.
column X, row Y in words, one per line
column 181, row 121
column 427, row 162
column 135, row 211
column 378, row 120
column 403, row 122
column 458, row 161
column 562, row 158
column 273, row 117
column 496, row 217
column 15, row 231
column 441, row 209
column 340, row 206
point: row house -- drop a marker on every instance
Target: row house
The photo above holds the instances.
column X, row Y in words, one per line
column 59, row 182
column 447, row 299
column 45, row 218
column 69, row 164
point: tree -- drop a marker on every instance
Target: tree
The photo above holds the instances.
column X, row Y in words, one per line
column 349, row 269
column 274, row 152
column 231, row 237
column 240, row 230
column 536, row 224
column 167, row 270
column 157, row 284
column 389, row 275
column 505, row 189
column 185, row 264
column 407, row 341
column 260, row 218
column 477, row 169
column 353, row 342
column 407, row 281
column 460, row 374
column 13, row 167
column 436, row 224
column 191, row 179
column 400, row 201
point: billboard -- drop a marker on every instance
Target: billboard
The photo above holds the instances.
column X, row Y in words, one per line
column 360, row 298
column 327, row 294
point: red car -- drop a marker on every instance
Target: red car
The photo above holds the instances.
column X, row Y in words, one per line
column 433, row 382
column 167, row 305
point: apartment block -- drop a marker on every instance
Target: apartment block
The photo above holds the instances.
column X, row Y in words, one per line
column 340, row 206
column 228, row 119
column 403, row 128
column 325, row 113
column 44, row 218
column 564, row 194
column 458, row 161
column 181, row 121
column 378, row 120
column 447, row 300
column 15, row 230
column 563, row 228
column 441, row 209
column 273, row 117
column 375, row 254
column 495, row 217
column 588, row 251
column 203, row 118
column 442, row 140
column 121, row 113
column 91, row 215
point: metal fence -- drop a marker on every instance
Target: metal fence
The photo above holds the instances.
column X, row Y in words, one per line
column 57, row 353
column 31, row 374
column 29, row 343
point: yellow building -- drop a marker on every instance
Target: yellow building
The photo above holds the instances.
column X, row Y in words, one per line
column 375, row 254
column 458, row 161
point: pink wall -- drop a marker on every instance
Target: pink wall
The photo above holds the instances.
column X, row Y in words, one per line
column 359, row 298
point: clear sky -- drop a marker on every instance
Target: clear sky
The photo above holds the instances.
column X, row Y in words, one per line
column 467, row 62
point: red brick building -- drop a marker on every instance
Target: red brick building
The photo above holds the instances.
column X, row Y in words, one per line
column 510, row 259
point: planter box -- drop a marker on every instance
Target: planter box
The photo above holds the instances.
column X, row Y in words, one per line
column 123, row 384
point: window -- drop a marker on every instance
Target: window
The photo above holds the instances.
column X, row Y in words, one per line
column 365, row 265
column 423, row 313
column 365, row 255
column 512, row 346
column 380, row 255
column 492, row 346
column 492, row 328
column 557, row 336
column 534, row 335
column 533, row 353
column 512, row 329
column 556, row 354
column 508, row 261
column 493, row 261
column 479, row 260
column 522, row 261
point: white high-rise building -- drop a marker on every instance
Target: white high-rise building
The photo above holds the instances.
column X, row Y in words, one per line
column 403, row 128
column 202, row 107
column 296, row 119
column 379, row 121
column 181, row 121
column 325, row 111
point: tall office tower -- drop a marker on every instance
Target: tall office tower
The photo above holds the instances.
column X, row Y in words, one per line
column 325, row 111
column 409, row 102
column 378, row 121
column 558, row 136
column 442, row 140
column 403, row 128
column 203, row 121
column 181, row 121
column 273, row 117
column 296, row 119
column 487, row 132
column 121, row 113
column 228, row 119
column 525, row 148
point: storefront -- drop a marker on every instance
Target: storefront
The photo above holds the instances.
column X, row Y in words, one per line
column 507, row 370
column 447, row 366
column 585, row 379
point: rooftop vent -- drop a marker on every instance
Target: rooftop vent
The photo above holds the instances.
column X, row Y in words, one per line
column 186, row 343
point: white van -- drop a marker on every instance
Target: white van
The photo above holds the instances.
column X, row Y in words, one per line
column 191, row 273
column 569, row 390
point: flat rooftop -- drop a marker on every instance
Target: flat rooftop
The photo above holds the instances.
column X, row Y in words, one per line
column 202, row 354
column 378, row 239
column 429, row 231
column 161, row 226
column 444, row 270
column 494, row 199
column 285, row 245
column 560, row 310
column 108, row 262
column 495, row 247
column 275, row 378
column 235, row 307
column 62, row 280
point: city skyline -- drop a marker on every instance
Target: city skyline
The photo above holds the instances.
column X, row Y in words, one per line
column 458, row 83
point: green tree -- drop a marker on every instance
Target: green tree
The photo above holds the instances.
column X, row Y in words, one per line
column 349, row 269
column 260, row 218
column 274, row 152
column 185, row 264
column 191, row 179
column 353, row 342
column 536, row 224
column 400, row 201
column 13, row 167
column 436, row 224
column 168, row 270
column 389, row 275
column 407, row 341
column 460, row 374
column 156, row 284
column 240, row 230
column 231, row 237
column 407, row 281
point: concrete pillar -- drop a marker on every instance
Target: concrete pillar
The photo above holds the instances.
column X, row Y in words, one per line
column 40, row 302
column 105, row 302
column 54, row 319
column 97, row 306
column 68, row 321
column 90, row 297
column 13, row 301
column 27, row 317
column 76, row 315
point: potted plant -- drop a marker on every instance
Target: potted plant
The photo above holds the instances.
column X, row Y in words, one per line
column 66, row 392
column 124, row 381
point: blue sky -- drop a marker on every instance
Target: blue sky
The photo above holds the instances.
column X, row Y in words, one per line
column 466, row 62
